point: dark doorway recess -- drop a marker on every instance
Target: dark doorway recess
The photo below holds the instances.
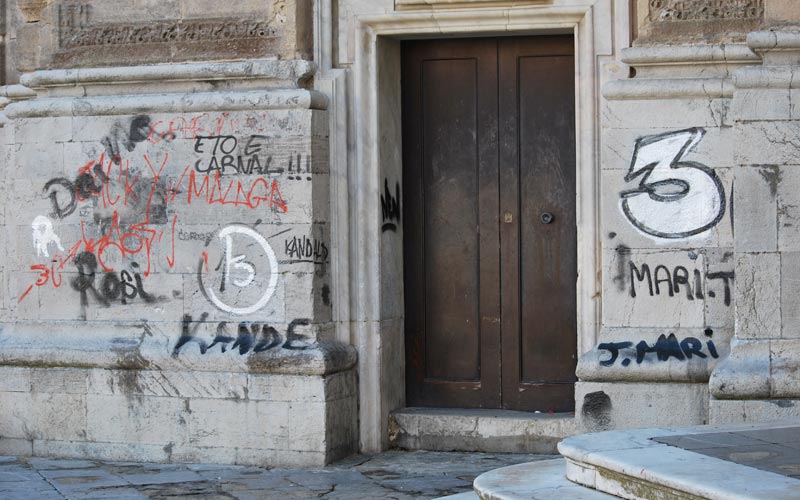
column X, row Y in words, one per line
column 490, row 248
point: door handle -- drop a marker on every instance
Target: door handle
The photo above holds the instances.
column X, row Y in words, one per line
column 547, row 218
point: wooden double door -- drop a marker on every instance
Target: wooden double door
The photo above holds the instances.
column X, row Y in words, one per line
column 489, row 222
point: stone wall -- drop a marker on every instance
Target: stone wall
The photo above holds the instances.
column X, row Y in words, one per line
column 166, row 280
column 669, row 270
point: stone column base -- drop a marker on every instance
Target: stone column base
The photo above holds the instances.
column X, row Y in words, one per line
column 754, row 410
column 605, row 406
column 178, row 416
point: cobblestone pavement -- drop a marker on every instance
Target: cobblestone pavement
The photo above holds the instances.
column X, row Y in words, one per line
column 393, row 475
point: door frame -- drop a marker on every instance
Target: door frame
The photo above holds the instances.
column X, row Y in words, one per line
column 366, row 118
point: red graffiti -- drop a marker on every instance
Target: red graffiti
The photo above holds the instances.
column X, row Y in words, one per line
column 123, row 193
column 203, row 125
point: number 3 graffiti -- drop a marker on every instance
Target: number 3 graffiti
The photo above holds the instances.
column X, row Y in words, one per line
column 674, row 198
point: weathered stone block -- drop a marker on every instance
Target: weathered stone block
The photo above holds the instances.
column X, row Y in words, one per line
column 714, row 150
column 745, row 373
column 761, row 104
column 665, row 113
column 784, row 376
column 60, row 416
column 788, row 187
column 756, row 215
column 790, row 291
column 59, row 381
column 618, row 405
column 747, row 411
column 17, row 418
column 768, row 143
column 652, row 288
column 758, row 295
column 131, row 418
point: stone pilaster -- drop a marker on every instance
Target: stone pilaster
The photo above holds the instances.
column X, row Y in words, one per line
column 760, row 379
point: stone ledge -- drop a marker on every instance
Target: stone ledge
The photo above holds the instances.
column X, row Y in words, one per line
column 270, row 73
column 180, row 102
column 758, row 369
column 738, row 53
column 495, row 431
column 683, row 88
column 145, row 346
column 629, row 464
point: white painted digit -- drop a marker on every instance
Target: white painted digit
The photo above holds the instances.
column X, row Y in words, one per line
column 674, row 199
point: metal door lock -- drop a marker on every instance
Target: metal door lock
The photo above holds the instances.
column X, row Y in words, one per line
column 547, row 218
column 508, row 217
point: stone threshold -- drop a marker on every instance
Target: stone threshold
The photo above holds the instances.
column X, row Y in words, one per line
column 491, row 431
column 630, row 464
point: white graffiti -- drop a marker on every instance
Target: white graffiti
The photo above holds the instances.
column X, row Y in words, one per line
column 239, row 272
column 44, row 235
column 675, row 198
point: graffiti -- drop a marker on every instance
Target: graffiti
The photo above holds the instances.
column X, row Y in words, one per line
column 122, row 137
column 239, row 272
column 675, row 198
column 304, row 249
column 183, row 127
column 678, row 281
column 125, row 287
column 225, row 160
column 665, row 348
column 44, row 235
column 248, row 194
column 390, row 206
column 128, row 201
column 194, row 236
column 250, row 337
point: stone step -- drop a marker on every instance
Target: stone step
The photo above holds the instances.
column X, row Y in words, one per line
column 630, row 464
column 491, row 431
column 544, row 480
column 467, row 495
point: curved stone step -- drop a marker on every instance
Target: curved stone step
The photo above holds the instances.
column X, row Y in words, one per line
column 544, row 480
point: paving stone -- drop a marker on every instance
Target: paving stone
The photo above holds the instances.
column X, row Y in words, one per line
column 397, row 475
column 47, row 464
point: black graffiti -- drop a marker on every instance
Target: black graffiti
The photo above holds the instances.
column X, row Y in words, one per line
column 65, row 194
column 677, row 281
column 194, row 236
column 390, row 207
column 228, row 158
column 250, row 336
column 62, row 197
column 669, row 184
column 124, row 137
column 125, row 287
column 665, row 348
column 304, row 249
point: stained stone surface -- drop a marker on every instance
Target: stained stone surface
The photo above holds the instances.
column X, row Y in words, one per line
column 392, row 475
column 711, row 20
column 773, row 450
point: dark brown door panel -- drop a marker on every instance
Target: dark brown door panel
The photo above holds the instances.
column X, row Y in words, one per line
column 488, row 133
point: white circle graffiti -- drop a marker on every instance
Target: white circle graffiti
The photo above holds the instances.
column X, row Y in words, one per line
column 238, row 263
